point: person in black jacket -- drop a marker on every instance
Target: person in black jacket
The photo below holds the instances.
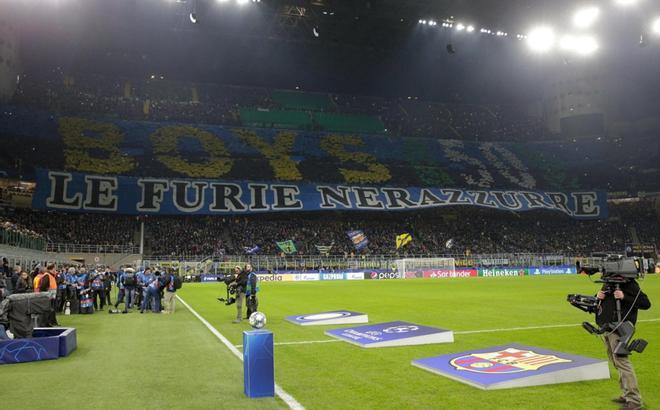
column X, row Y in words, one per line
column 241, row 283
column 632, row 298
column 23, row 283
column 251, row 289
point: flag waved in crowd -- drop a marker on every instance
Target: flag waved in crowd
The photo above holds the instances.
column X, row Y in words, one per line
column 288, row 247
column 359, row 239
column 403, row 240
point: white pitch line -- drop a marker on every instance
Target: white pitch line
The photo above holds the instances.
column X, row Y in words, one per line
column 301, row 342
column 510, row 329
column 463, row 332
column 281, row 393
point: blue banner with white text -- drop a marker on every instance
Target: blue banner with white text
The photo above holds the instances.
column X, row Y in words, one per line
column 76, row 192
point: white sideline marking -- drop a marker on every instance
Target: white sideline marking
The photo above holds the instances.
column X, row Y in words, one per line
column 286, row 397
column 464, row 332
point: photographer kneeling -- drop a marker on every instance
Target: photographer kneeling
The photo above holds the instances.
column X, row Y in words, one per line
column 631, row 299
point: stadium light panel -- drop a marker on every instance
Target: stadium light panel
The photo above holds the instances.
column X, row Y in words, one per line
column 625, row 2
column 469, row 29
column 655, row 26
column 586, row 17
column 582, row 45
column 541, row 39
column 460, row 27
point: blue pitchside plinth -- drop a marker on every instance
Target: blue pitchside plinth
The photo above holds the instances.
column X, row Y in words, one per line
column 258, row 365
column 514, row 365
column 392, row 334
column 46, row 344
column 335, row 317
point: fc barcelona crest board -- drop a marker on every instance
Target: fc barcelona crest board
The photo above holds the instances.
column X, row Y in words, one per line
column 514, row 365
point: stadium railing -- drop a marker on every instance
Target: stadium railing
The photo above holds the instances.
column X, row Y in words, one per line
column 214, row 264
column 79, row 248
column 21, row 240
column 27, row 259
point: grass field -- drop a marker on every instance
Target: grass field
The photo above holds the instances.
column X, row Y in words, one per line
column 161, row 361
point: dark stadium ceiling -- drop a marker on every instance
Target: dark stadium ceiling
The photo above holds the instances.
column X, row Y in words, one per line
column 376, row 47
column 357, row 22
column 347, row 22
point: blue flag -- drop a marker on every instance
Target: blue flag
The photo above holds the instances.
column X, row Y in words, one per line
column 251, row 250
column 359, row 239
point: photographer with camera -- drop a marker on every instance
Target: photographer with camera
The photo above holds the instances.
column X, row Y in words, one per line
column 239, row 283
column 245, row 287
column 619, row 303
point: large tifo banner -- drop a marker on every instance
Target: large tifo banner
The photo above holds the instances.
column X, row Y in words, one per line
column 74, row 192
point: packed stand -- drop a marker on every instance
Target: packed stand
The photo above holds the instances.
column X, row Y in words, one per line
column 12, row 226
column 435, row 232
column 159, row 99
column 451, row 231
column 181, row 236
column 82, row 229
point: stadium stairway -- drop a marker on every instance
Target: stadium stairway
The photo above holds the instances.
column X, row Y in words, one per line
column 633, row 234
column 226, row 238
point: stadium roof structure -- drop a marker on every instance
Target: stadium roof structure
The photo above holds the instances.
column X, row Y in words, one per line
column 352, row 46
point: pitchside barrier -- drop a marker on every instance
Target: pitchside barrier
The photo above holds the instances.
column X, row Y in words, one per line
column 382, row 274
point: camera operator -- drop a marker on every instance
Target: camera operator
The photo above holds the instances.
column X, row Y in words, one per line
column 631, row 299
column 240, row 282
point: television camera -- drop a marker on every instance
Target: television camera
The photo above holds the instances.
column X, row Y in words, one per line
column 615, row 270
column 229, row 281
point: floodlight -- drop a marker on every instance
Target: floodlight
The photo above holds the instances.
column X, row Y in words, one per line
column 583, row 45
column 470, row 29
column 625, row 2
column 242, row 2
column 586, row 17
column 460, row 27
column 655, row 26
column 541, row 39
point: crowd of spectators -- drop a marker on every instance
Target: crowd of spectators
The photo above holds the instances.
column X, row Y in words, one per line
column 11, row 226
column 455, row 231
column 190, row 235
column 83, row 229
column 159, row 99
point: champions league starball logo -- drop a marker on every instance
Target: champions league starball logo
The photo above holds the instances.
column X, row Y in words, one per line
column 509, row 360
column 324, row 316
column 401, row 329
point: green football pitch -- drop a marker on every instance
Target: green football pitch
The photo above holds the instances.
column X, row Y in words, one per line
column 174, row 361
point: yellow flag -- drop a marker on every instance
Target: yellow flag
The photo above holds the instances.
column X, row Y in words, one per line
column 403, row 240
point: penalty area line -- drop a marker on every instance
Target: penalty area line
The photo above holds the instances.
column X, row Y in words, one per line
column 460, row 332
column 281, row 393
